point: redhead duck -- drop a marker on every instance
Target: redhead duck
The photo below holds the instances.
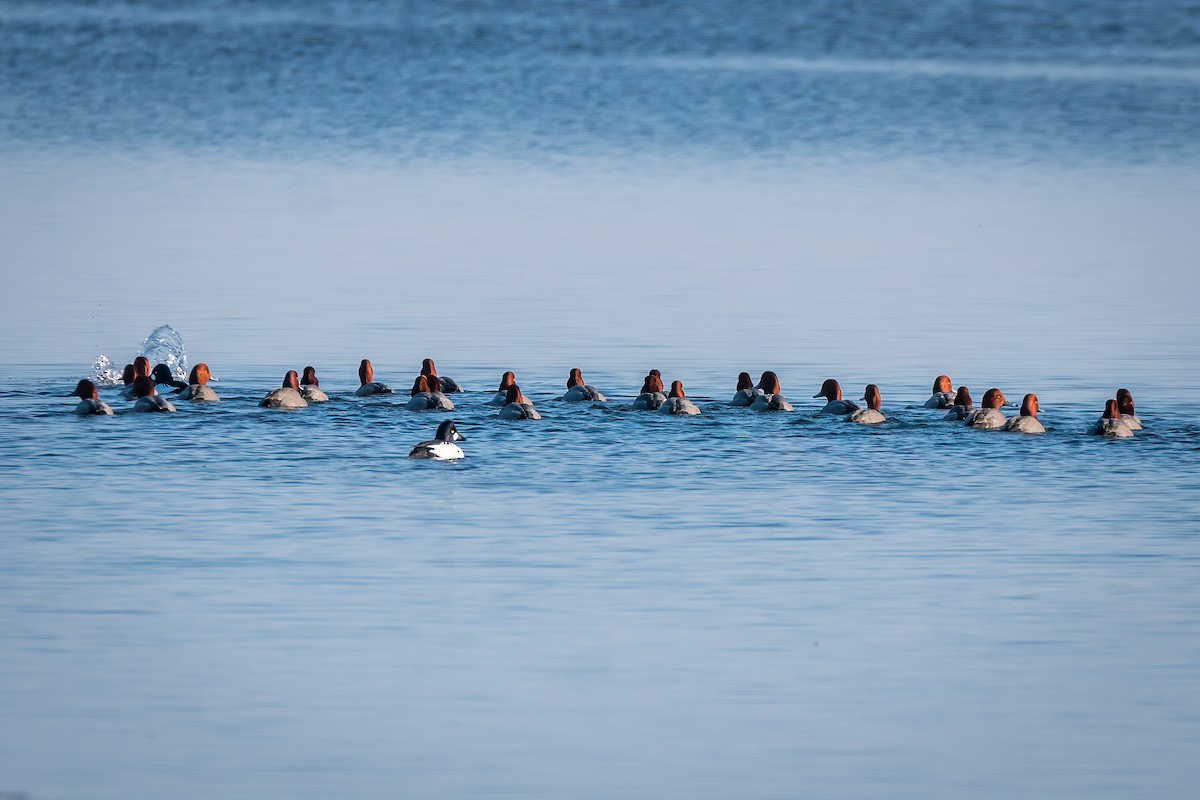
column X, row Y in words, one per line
column 677, row 402
column 989, row 416
column 1028, row 421
column 871, row 415
column 147, row 398
column 287, row 396
column 770, row 396
column 651, row 398
column 836, row 406
column 89, row 400
column 963, row 406
column 446, row 385
column 141, row 369
column 744, row 395
column 366, row 379
column 1125, row 406
column 442, row 446
column 501, row 396
column 578, row 391
column 197, row 389
column 1112, row 423
column 518, row 405
column 425, row 396
column 943, row 393
column 310, row 387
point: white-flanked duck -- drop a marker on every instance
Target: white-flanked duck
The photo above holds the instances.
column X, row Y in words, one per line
column 1112, row 423
column 835, row 406
column 197, row 389
column 651, row 398
column 287, row 396
column 745, row 394
column 963, row 406
column 871, row 415
column 426, row 397
column 163, row 376
column 310, row 387
column 677, row 402
column 578, row 391
column 943, row 393
column 446, row 385
column 769, row 396
column 518, row 405
column 147, row 398
column 989, row 416
column 501, row 396
column 89, row 400
column 1125, row 406
column 1028, row 421
column 442, row 446
column 366, row 380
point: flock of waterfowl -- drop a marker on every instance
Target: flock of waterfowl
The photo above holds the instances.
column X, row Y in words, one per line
column 429, row 393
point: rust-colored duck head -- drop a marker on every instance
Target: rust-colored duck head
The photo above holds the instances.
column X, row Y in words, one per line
column 830, row 390
column 942, row 384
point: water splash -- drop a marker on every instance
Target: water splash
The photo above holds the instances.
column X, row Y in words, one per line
column 104, row 373
column 164, row 345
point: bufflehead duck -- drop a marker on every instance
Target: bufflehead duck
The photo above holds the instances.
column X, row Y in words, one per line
column 442, row 446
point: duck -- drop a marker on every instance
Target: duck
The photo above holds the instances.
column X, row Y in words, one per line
column 442, row 446
column 310, row 387
column 744, row 395
column 287, row 396
column 1112, row 423
column 578, row 391
column 89, row 400
column 1125, row 406
column 501, row 396
column 147, row 398
column 426, row 397
column 989, row 416
column 127, row 376
column 963, row 406
column 943, row 393
column 651, row 398
column 518, row 405
column 141, row 369
column 366, row 379
column 163, row 376
column 769, row 396
column 677, row 403
column 836, row 406
column 197, row 389
column 447, row 385
column 1028, row 421
column 871, row 415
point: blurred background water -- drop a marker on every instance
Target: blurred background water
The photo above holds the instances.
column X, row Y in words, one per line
column 606, row 604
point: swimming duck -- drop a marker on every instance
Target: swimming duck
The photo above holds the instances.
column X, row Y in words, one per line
column 127, row 376
column 651, row 397
column 366, row 380
column 1125, row 406
column 1112, row 423
column 1027, row 422
column 677, row 402
column 745, row 394
column 287, row 396
column 578, row 391
column 197, row 389
column 163, row 376
column 989, row 416
column 943, row 393
column 442, row 446
column 871, row 415
column 141, row 369
column 518, row 405
column 147, row 398
column 89, row 400
column 963, row 406
column 310, row 387
column 426, row 397
column 769, row 396
column 447, row 385
column 836, row 406
column 501, row 396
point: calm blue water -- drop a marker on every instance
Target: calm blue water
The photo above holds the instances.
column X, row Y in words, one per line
column 241, row 603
